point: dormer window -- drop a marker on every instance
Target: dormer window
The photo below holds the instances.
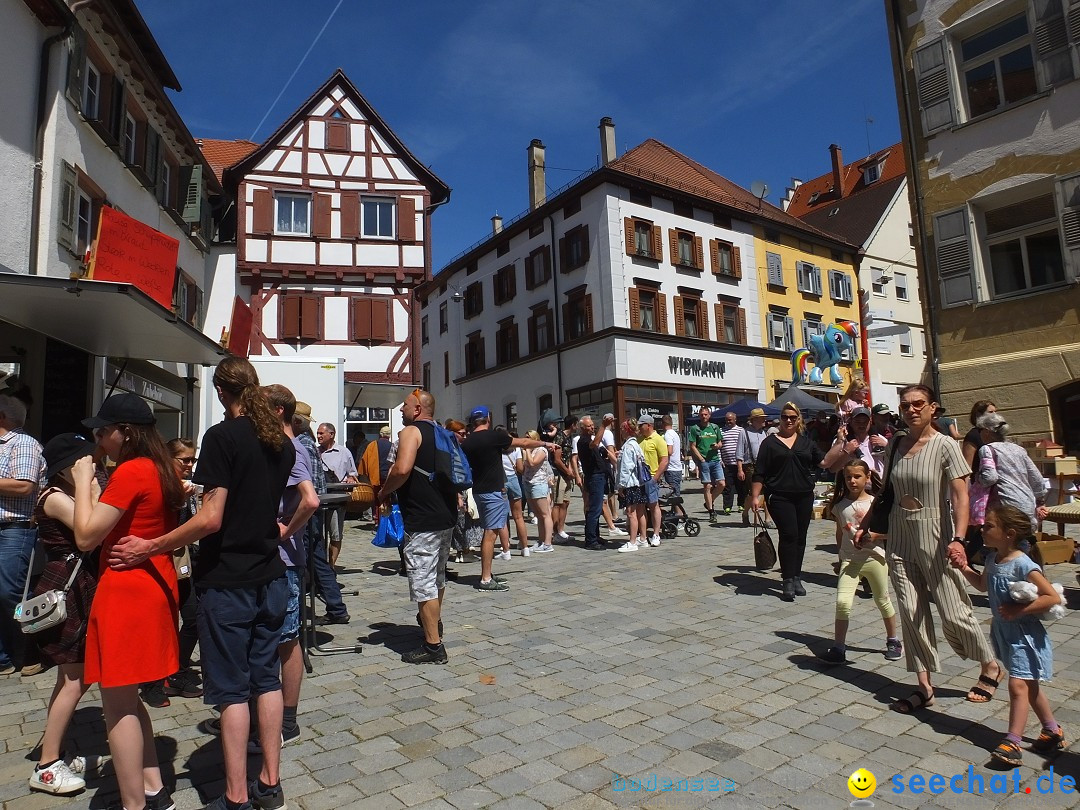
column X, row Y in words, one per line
column 871, row 173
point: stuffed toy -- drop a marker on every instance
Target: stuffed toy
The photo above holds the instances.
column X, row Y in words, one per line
column 1025, row 591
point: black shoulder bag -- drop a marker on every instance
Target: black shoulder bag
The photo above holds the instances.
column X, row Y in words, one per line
column 878, row 520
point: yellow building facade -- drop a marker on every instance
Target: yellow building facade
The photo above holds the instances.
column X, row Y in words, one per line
column 804, row 286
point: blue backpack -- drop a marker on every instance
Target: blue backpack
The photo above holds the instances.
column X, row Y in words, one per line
column 452, row 471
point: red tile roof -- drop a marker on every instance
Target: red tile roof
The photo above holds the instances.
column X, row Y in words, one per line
column 894, row 166
column 223, row 154
column 658, row 162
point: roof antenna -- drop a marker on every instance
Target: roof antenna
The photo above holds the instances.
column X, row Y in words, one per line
column 296, row 70
column 759, row 189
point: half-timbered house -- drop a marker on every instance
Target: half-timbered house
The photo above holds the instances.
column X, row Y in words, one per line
column 332, row 235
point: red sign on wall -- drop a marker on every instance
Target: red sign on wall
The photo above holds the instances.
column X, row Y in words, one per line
column 132, row 252
column 240, row 328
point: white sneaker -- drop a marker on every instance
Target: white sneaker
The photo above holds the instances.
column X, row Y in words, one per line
column 58, row 779
column 654, row 541
column 543, row 549
column 503, row 555
column 617, row 532
column 625, row 547
column 563, row 535
column 642, row 543
column 535, row 520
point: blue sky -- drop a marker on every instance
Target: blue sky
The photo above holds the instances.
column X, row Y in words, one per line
column 755, row 90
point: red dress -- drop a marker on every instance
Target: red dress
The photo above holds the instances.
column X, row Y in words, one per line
column 132, row 637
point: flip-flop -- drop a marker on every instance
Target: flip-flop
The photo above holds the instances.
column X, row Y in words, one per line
column 984, row 695
column 915, row 702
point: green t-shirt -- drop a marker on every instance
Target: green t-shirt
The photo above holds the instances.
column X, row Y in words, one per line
column 707, row 440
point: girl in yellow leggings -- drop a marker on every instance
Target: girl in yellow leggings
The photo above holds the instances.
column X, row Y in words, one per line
column 856, row 563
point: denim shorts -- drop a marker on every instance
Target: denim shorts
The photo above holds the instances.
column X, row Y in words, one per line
column 239, row 634
column 535, row 492
column 652, row 491
column 674, row 479
column 290, row 629
column 513, row 488
column 425, row 560
column 712, row 472
column 494, row 509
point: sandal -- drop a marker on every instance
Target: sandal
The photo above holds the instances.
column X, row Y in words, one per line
column 1008, row 753
column 982, row 695
column 914, row 702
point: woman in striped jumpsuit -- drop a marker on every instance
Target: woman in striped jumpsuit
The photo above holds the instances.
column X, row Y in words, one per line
column 928, row 473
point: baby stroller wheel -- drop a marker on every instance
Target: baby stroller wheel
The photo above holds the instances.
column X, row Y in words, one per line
column 669, row 530
column 692, row 527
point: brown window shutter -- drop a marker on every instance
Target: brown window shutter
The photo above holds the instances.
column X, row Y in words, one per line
column 350, row 215
column 546, row 263
column 511, row 288
column 529, row 277
column 310, row 322
column 658, row 243
column 680, row 321
column 446, row 369
column 703, row 319
column 631, row 246
column 562, row 255
column 550, row 329
column 740, row 320
column 566, row 321
column 635, row 308
column 406, row 219
column 361, row 319
column 718, row 310
column 673, row 244
column 531, row 326
column 105, row 97
column 661, row 312
column 322, row 216
column 699, row 254
column 380, row 321
column 714, row 254
column 736, row 261
column 337, row 135
column 263, row 217
column 515, row 342
column 588, row 313
column 289, row 328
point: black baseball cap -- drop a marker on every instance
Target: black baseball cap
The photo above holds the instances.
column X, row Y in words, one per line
column 126, row 409
column 62, row 451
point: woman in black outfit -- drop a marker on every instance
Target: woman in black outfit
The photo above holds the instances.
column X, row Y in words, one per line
column 786, row 467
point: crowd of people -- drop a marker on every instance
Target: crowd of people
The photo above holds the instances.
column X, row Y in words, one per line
column 217, row 556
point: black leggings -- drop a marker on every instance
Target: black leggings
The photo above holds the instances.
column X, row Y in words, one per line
column 791, row 511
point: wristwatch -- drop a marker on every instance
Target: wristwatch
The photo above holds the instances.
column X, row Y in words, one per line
column 957, row 539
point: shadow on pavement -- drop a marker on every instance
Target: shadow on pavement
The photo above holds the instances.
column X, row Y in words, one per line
column 397, row 637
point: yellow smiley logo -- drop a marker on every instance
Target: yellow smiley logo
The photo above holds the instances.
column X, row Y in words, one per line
column 862, row 784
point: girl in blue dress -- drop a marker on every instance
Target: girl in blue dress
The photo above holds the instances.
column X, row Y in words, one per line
column 1018, row 636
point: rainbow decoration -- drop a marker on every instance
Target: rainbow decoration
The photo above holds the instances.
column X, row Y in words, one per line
column 825, row 351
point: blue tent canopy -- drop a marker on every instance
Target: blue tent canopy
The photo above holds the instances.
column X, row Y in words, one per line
column 742, row 409
column 805, row 402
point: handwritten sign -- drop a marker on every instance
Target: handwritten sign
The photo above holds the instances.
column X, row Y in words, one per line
column 130, row 251
column 240, row 328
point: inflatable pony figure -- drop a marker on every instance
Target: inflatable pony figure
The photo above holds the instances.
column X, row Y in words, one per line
column 825, row 352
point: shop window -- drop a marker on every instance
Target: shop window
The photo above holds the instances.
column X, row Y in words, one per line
column 474, row 353
column 648, row 309
column 731, row 324
column 300, row 316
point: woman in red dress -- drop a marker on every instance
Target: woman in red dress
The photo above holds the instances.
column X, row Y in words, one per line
column 131, row 637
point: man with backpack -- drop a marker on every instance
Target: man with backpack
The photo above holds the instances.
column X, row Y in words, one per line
column 429, row 511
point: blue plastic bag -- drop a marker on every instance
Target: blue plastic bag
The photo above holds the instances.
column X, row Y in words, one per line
column 391, row 529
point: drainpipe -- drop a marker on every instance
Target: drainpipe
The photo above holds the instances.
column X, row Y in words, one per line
column 558, row 325
column 916, row 189
column 39, row 129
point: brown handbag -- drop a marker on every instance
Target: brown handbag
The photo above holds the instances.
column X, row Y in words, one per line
column 764, row 550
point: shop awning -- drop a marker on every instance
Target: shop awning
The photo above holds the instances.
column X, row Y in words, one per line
column 103, row 318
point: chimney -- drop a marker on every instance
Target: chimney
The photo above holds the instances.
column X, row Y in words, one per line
column 607, row 140
column 496, row 225
column 837, row 171
column 537, row 188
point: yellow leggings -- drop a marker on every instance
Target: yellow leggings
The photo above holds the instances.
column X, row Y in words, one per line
column 876, row 573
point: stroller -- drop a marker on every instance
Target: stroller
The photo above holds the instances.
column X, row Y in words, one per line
column 672, row 515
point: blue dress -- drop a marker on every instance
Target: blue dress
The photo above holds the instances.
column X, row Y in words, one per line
column 1023, row 645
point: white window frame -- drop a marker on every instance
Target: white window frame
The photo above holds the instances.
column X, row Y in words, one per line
column 905, row 348
column 780, row 328
column 292, row 230
column 1021, row 234
column 993, row 55
column 653, row 306
column 808, row 277
column 643, row 238
column 840, row 286
column 84, row 224
column 900, row 286
column 91, row 99
column 687, row 240
column 131, row 138
column 377, row 230
column 877, row 286
column 872, row 173
column 540, row 324
column 166, row 183
column 691, row 314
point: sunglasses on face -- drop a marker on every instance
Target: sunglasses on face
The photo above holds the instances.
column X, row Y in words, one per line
column 917, row 405
column 186, row 460
column 787, row 417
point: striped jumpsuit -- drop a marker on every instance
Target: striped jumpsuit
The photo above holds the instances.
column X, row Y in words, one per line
column 918, row 565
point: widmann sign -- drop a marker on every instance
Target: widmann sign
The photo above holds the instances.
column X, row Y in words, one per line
column 131, row 251
column 694, row 367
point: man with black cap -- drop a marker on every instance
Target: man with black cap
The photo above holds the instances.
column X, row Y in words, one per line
column 484, row 449
column 853, row 442
column 22, row 474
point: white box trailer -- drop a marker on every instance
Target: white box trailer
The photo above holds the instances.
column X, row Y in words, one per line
column 320, row 382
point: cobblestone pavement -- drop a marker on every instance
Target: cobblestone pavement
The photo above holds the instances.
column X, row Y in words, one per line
column 678, row 662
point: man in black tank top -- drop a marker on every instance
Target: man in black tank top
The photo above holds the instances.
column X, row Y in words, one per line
column 429, row 514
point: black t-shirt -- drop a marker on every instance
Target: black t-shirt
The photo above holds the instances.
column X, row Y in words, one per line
column 484, row 449
column 244, row 552
column 974, row 437
column 791, row 471
column 424, row 507
column 592, row 459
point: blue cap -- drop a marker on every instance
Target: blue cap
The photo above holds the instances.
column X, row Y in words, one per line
column 480, row 412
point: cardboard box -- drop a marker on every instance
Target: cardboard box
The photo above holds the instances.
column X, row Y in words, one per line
column 1050, row 549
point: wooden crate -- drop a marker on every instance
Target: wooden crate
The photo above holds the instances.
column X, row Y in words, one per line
column 1051, row 549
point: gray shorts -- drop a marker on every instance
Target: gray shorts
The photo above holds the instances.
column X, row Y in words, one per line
column 425, row 559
